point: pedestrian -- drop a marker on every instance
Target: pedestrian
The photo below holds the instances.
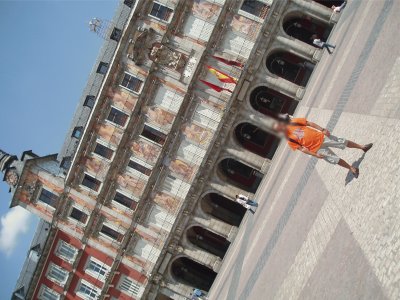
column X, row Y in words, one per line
column 197, row 294
column 314, row 140
column 246, row 202
column 319, row 43
column 338, row 9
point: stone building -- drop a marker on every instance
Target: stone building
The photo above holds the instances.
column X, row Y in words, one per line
column 139, row 204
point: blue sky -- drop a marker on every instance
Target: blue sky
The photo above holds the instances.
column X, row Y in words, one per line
column 47, row 53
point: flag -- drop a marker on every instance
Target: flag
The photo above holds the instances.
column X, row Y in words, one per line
column 229, row 62
column 215, row 87
column 222, row 76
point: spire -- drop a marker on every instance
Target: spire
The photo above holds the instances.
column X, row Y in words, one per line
column 10, row 174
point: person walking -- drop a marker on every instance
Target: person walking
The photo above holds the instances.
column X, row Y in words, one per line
column 321, row 44
column 314, row 140
column 246, row 202
column 338, row 9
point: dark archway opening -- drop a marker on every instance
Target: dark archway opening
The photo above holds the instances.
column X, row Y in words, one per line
column 256, row 140
column 163, row 297
column 290, row 67
column 329, row 3
column 208, row 241
column 271, row 103
column 192, row 273
column 241, row 175
column 303, row 28
column 222, row 208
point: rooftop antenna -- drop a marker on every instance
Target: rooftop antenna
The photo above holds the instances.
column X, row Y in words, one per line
column 103, row 28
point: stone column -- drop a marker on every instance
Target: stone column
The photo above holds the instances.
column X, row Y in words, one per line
column 249, row 158
column 285, row 87
column 317, row 10
column 225, row 188
column 300, row 48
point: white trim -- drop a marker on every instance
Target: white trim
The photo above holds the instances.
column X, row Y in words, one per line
column 132, row 91
column 38, row 201
column 139, row 286
column 103, row 143
column 94, row 274
column 44, row 288
column 87, row 188
column 89, row 285
column 115, row 124
column 161, row 20
column 57, row 252
column 83, row 210
column 112, row 226
column 55, row 280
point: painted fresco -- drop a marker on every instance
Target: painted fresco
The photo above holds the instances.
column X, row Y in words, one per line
column 197, row 134
column 166, row 201
column 122, row 99
column 205, row 10
column 97, row 167
column 210, row 103
column 132, row 184
column 183, row 169
column 245, row 26
column 146, row 150
column 159, row 116
column 110, row 133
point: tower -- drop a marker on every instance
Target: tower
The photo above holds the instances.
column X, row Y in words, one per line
column 7, row 167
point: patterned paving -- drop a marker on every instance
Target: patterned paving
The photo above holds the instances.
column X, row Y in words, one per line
column 319, row 233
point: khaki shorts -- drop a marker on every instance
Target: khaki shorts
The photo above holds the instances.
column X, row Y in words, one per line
column 332, row 142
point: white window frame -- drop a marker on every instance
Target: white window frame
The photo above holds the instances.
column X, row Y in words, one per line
column 251, row 16
column 44, row 203
column 89, row 285
column 161, row 20
column 115, row 203
column 102, row 265
column 63, row 257
column 82, row 210
column 103, row 143
column 115, row 124
column 87, row 188
column 130, row 292
column 50, row 267
column 44, row 289
column 129, row 90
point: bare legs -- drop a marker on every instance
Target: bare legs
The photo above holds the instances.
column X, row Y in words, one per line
column 354, row 145
column 352, row 169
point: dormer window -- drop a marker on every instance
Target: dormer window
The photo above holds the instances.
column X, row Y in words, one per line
column 116, row 34
column 77, row 132
column 102, row 68
column 90, row 100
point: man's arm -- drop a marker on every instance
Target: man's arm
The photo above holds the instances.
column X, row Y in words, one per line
column 316, row 126
column 306, row 151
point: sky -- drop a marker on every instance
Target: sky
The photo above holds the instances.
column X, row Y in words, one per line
column 47, row 53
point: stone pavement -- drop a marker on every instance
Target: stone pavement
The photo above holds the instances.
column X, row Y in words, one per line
column 318, row 232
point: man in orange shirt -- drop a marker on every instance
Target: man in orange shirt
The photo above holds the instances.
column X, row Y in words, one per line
column 314, row 140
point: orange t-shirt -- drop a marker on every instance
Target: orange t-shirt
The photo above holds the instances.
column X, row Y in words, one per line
column 306, row 136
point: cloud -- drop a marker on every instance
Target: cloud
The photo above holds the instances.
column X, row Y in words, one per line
column 13, row 224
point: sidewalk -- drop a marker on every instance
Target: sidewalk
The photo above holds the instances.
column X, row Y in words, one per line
column 318, row 232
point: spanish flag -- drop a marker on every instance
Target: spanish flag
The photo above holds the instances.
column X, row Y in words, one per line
column 215, row 87
column 229, row 62
column 222, row 76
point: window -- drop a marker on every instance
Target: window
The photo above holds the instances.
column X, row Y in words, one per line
column 102, row 68
column 90, row 100
column 88, row 291
column 48, row 197
column 125, row 201
column 255, row 7
column 116, row 34
column 117, row 117
column 48, row 294
column 78, row 215
column 57, row 274
column 91, row 182
column 97, row 269
column 66, row 251
column 161, row 12
column 131, row 83
column 129, row 286
column 66, row 162
column 77, row 132
column 103, row 151
column 138, row 167
column 130, row 3
column 111, row 233
column 154, row 135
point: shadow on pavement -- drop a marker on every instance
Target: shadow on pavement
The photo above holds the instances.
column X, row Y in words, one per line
column 350, row 176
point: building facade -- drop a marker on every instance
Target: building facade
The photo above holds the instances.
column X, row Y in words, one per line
column 139, row 203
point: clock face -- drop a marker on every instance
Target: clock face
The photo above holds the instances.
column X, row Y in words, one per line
column 12, row 177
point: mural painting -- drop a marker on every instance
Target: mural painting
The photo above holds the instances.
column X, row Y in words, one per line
column 166, row 201
column 245, row 26
column 205, row 10
column 183, row 169
column 197, row 134
column 159, row 116
column 110, row 133
column 97, row 167
column 131, row 184
column 146, row 150
column 122, row 99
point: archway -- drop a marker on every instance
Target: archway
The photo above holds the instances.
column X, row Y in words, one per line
column 304, row 28
column 163, row 297
column 222, row 208
column 241, row 175
column 208, row 241
column 290, row 67
column 192, row 273
column 271, row 103
column 256, row 140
